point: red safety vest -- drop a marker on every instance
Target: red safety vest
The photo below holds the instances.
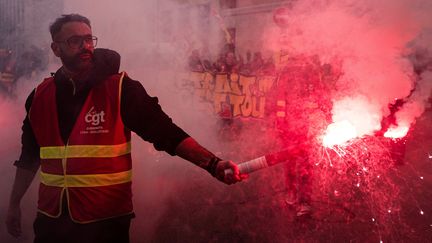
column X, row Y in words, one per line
column 94, row 168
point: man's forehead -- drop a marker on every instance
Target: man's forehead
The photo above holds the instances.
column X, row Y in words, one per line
column 74, row 28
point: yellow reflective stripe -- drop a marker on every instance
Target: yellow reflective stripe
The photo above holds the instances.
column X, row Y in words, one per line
column 82, row 151
column 91, row 180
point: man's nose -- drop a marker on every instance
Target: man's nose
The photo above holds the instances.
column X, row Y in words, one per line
column 86, row 45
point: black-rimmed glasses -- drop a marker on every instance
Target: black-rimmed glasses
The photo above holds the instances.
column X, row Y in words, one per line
column 76, row 41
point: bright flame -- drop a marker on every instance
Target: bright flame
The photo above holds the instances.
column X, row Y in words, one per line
column 396, row 132
column 338, row 133
column 360, row 111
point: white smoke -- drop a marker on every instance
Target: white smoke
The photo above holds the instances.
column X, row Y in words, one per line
column 418, row 100
column 154, row 39
column 372, row 41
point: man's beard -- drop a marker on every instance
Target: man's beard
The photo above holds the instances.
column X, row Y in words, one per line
column 76, row 64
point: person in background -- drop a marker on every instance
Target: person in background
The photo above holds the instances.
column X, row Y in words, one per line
column 257, row 63
column 300, row 117
column 194, row 62
column 7, row 71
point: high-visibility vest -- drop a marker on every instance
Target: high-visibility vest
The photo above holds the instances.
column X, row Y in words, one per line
column 93, row 169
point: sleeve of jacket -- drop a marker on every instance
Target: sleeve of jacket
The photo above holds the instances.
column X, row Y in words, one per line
column 143, row 115
column 29, row 158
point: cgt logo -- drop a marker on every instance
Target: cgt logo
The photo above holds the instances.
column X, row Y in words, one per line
column 93, row 117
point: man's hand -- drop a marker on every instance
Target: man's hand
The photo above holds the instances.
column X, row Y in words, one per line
column 13, row 221
column 23, row 179
column 230, row 178
column 190, row 150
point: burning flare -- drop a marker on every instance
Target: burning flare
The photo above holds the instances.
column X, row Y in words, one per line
column 396, row 132
column 339, row 133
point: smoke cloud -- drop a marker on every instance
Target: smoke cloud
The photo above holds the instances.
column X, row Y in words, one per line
column 379, row 46
column 373, row 44
column 153, row 49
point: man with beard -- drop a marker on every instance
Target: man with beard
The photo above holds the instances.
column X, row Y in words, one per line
column 78, row 131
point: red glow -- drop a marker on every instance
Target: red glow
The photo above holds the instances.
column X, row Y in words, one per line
column 396, row 132
column 339, row 133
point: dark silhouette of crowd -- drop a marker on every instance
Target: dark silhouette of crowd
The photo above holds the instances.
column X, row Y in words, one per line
column 228, row 62
column 20, row 63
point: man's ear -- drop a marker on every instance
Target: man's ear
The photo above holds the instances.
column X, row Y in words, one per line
column 55, row 48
